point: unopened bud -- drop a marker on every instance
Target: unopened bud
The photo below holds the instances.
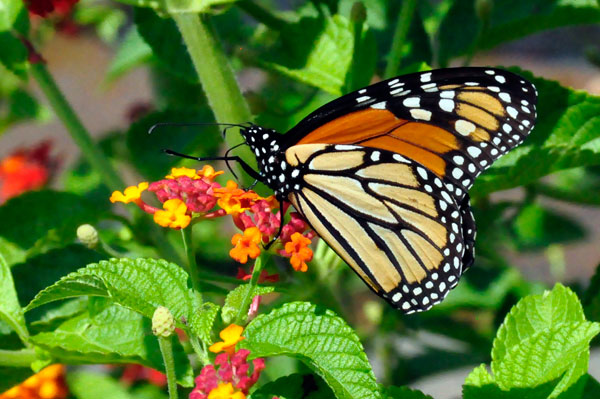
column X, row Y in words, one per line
column 163, row 322
column 483, row 9
column 358, row 13
column 88, row 235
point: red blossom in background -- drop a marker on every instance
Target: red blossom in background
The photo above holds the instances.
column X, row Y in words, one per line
column 44, row 8
column 136, row 372
column 26, row 169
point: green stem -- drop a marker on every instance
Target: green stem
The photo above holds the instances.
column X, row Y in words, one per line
column 262, row 14
column 22, row 358
column 404, row 21
column 242, row 311
column 78, row 132
column 199, row 348
column 216, row 76
column 166, row 348
column 186, row 235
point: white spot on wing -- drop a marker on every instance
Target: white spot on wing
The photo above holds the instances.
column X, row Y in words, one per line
column 421, row 114
column 464, row 127
column 426, row 77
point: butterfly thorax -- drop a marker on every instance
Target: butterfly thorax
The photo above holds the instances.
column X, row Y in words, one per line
column 265, row 143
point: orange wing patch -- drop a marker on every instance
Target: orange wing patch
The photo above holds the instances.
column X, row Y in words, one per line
column 379, row 128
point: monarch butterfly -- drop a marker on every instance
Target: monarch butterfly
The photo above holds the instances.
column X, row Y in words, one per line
column 382, row 174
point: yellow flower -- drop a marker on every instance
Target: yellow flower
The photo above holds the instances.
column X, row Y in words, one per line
column 246, row 245
column 299, row 251
column 233, row 199
column 179, row 172
column 209, row 172
column 230, row 336
column 47, row 384
column 130, row 194
column 174, row 214
column 225, row 391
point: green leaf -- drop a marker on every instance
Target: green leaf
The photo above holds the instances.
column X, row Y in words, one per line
column 566, row 135
column 541, row 338
column 112, row 334
column 592, row 388
column 141, row 285
column 393, row 392
column 43, row 270
column 37, row 221
column 13, row 55
column 203, row 322
column 320, row 339
column 234, row 300
column 107, row 20
column 88, row 385
column 509, row 20
column 322, row 58
column 11, row 376
column 179, row 6
column 10, row 309
column 294, row 386
column 163, row 37
column 9, row 10
column 147, row 149
column 132, row 52
column 591, row 299
column 537, row 227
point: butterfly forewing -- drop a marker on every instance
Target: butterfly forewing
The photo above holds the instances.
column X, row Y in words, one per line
column 455, row 122
column 374, row 209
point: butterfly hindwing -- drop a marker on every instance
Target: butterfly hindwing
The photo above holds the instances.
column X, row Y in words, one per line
column 455, row 122
column 374, row 209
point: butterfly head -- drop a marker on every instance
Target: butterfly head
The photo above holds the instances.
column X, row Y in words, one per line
column 265, row 143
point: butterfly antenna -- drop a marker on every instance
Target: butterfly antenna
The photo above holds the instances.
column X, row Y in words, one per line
column 229, row 125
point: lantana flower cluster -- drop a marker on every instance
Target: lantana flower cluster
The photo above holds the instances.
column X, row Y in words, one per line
column 189, row 195
column 231, row 376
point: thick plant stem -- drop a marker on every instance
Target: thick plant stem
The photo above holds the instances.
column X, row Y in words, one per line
column 186, row 235
column 216, row 76
column 22, row 358
column 242, row 312
column 406, row 13
column 78, row 132
column 166, row 348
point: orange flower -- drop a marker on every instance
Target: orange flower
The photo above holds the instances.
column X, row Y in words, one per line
column 299, row 251
column 246, row 245
column 230, row 336
column 130, row 194
column 174, row 214
column 178, row 172
column 47, row 384
column 233, row 199
column 209, row 172
column 225, row 391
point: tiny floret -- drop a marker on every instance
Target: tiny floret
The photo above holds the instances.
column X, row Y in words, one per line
column 173, row 215
column 130, row 194
column 230, row 336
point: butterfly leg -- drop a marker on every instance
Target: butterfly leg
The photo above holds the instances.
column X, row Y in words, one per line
column 247, row 168
column 281, row 215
